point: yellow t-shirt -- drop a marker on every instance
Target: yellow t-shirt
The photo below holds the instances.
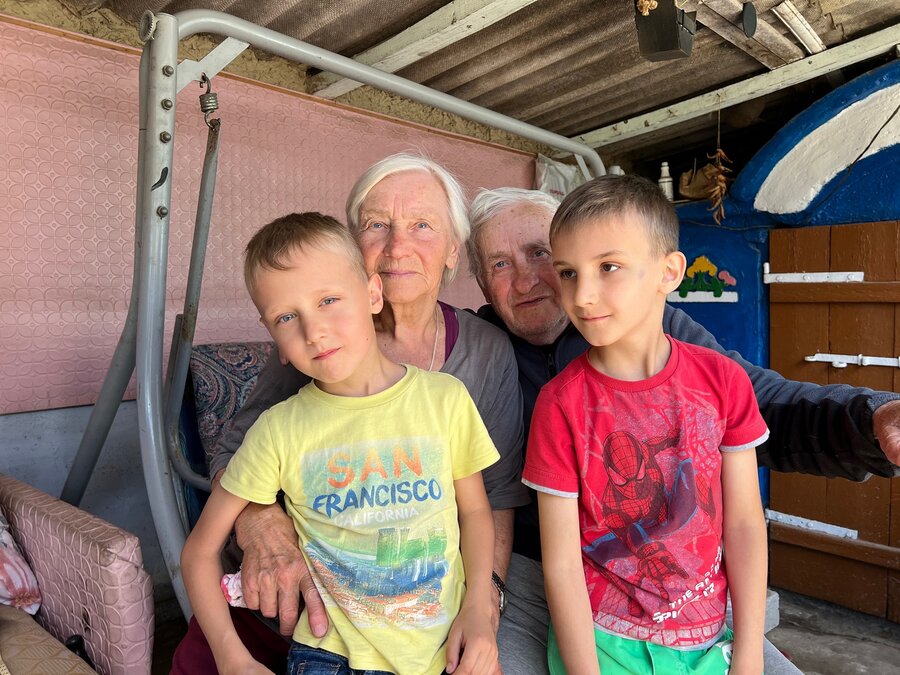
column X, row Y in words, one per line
column 368, row 482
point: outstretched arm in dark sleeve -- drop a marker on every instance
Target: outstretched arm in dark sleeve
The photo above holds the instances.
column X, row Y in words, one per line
column 832, row 430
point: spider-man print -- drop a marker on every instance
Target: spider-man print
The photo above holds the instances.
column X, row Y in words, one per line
column 636, row 490
column 644, row 463
column 636, row 502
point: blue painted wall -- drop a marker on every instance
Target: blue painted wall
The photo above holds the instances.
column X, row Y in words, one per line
column 866, row 191
column 740, row 248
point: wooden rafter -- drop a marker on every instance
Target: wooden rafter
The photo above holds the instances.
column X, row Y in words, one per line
column 768, row 46
column 451, row 23
column 808, row 68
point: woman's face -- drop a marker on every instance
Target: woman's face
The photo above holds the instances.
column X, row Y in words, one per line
column 406, row 236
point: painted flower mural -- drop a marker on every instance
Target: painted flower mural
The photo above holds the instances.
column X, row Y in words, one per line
column 706, row 283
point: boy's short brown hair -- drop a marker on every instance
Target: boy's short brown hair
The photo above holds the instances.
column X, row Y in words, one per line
column 269, row 247
column 608, row 196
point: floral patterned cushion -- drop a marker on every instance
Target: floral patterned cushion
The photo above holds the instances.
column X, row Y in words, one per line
column 223, row 376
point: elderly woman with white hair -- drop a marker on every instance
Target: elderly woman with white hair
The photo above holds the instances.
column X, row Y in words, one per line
column 408, row 215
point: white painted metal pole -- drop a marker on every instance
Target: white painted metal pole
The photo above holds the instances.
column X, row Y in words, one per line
column 154, row 200
column 195, row 21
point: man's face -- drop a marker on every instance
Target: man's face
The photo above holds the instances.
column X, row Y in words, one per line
column 518, row 278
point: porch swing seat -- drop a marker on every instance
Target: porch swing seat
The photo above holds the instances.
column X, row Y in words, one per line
column 220, row 378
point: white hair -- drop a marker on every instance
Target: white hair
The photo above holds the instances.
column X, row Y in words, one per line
column 456, row 200
column 489, row 203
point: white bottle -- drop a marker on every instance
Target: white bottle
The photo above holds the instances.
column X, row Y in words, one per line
column 665, row 181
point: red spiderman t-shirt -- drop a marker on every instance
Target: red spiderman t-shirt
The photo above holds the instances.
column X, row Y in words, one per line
column 644, row 461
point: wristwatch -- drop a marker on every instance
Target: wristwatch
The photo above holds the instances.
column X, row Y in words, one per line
column 501, row 590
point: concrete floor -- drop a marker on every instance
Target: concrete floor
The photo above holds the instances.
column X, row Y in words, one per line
column 824, row 639
column 820, row 638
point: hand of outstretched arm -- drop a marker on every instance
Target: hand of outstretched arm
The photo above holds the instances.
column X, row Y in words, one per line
column 745, row 559
column 567, row 596
column 202, row 572
column 274, row 573
column 886, row 425
column 472, row 643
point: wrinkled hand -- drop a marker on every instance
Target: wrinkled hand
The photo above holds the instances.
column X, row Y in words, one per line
column 274, row 573
column 886, row 425
column 473, row 638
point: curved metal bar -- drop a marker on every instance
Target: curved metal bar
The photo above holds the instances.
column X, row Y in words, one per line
column 194, row 21
column 154, row 198
column 122, row 365
column 104, row 411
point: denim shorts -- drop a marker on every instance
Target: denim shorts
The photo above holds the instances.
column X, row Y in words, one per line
column 303, row 660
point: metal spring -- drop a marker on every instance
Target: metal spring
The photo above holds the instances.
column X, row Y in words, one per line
column 209, row 102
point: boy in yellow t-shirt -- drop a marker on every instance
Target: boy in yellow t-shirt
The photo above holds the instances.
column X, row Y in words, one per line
column 380, row 467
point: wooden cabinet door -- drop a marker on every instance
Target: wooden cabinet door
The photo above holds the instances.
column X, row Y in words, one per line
column 835, row 318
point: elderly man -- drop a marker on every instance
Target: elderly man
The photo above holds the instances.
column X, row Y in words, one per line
column 509, row 254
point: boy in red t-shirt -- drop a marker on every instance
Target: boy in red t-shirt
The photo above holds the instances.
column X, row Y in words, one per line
column 642, row 453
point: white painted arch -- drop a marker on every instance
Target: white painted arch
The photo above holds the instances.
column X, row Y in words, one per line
column 798, row 177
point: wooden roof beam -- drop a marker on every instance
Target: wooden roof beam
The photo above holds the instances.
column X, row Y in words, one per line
column 767, row 45
column 801, row 29
column 808, row 68
column 451, row 23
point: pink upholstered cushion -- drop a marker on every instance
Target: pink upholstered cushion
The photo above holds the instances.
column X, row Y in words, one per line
column 91, row 576
column 18, row 587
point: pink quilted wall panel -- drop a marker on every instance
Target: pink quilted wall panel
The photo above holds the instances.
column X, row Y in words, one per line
column 68, row 152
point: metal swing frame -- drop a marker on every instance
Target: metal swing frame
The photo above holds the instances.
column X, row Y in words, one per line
column 140, row 346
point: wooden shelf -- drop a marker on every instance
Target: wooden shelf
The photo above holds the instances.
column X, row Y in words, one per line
column 854, row 549
column 862, row 291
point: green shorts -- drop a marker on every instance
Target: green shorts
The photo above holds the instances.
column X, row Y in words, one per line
column 622, row 656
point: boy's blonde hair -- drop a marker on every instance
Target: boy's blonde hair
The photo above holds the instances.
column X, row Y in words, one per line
column 609, row 196
column 270, row 246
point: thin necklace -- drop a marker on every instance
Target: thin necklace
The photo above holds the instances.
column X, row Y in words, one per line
column 437, row 332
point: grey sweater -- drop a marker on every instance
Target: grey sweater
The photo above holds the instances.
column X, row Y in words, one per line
column 482, row 359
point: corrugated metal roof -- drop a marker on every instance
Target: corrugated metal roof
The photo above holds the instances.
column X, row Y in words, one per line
column 569, row 66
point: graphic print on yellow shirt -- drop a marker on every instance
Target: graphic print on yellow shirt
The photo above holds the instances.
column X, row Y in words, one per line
column 368, row 482
column 397, row 493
